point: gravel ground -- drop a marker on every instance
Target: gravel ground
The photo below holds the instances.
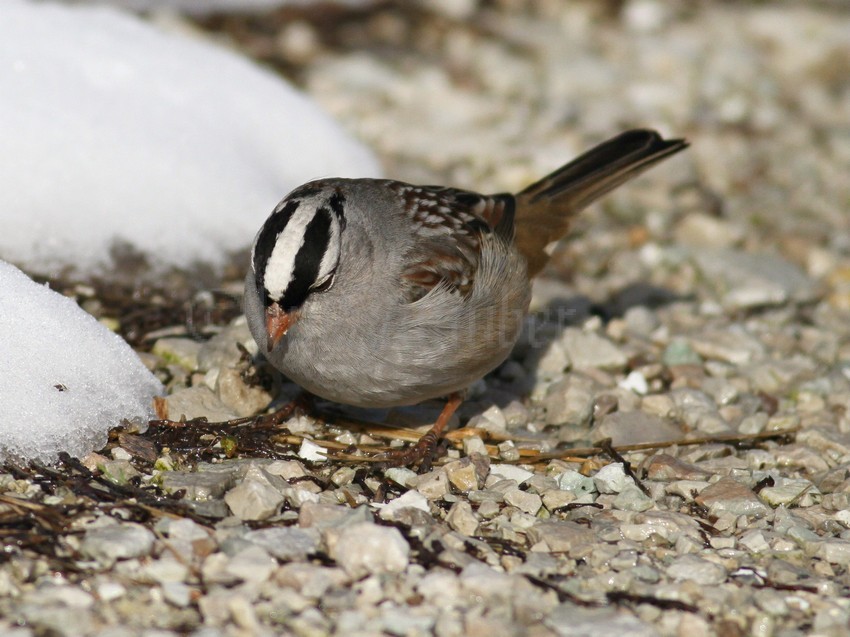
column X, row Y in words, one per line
column 666, row 452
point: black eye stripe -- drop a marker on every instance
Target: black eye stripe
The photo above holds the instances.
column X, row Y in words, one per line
column 336, row 203
column 267, row 239
column 308, row 260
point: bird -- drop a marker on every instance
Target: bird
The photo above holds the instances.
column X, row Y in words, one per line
column 380, row 293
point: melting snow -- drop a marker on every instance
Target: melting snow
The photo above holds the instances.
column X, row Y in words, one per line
column 116, row 131
column 65, row 379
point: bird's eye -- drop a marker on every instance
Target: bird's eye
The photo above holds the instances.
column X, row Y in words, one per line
column 324, row 285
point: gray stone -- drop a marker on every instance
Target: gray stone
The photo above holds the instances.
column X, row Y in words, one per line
column 632, row 427
column 255, row 497
column 118, row 471
column 631, row 498
column 462, row 519
column 462, row 474
column 367, row 549
column 407, row 500
column 324, row 516
column 665, row 467
column 197, row 402
column 727, row 495
column 286, row 543
column 491, row 420
column 177, row 594
column 178, row 351
column 680, row 352
column 611, row 478
column 238, row 396
column 117, row 542
column 788, row 491
column 528, row 502
column 221, row 350
column 700, row 230
column 508, row 451
column 640, row 320
column 576, row 483
column 197, row 485
column 733, row 344
column 696, row 569
column 569, row 401
column 562, row 536
column 589, row 349
column 252, row 564
column 433, row 485
column 747, row 280
column 510, row 472
column 570, row 620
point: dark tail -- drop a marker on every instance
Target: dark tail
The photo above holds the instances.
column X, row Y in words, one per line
column 546, row 208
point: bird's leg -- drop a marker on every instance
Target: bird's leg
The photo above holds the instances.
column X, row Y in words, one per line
column 426, row 444
column 303, row 402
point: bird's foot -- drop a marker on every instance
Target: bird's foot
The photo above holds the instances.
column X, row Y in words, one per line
column 424, row 448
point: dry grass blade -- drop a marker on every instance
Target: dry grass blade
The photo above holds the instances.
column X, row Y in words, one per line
column 530, row 456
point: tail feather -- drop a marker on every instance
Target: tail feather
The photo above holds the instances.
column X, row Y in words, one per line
column 546, row 208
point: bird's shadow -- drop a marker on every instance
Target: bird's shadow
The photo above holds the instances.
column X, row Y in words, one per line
column 547, row 325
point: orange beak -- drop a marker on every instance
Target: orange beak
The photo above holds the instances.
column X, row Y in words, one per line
column 278, row 323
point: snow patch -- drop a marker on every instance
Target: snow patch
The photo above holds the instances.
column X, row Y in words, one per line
column 65, row 379
column 115, row 132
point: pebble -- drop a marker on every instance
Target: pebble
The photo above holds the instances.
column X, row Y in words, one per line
column 197, row 402
column 754, row 280
column 528, row 502
column 221, row 351
column 508, row 451
column 202, row 485
column 510, row 472
column 576, row 483
column 311, row 452
column 178, row 351
column 729, row 496
column 255, row 497
column 324, row 516
column 433, row 485
column 409, row 499
column 117, row 542
column 696, row 569
column 253, row 565
column 286, row 544
column 666, row 467
column 588, row 349
column 367, row 549
column 243, row 399
column 680, row 352
column 562, row 536
column 632, row 427
column 733, row 345
column 631, row 498
column 177, row 594
column 462, row 475
column 789, row 492
column 569, row 401
column 570, row 619
column 492, row 420
column 462, row 519
column 635, row 382
column 611, row 478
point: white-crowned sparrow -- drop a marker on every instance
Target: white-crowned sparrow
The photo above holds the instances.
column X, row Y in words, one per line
column 377, row 293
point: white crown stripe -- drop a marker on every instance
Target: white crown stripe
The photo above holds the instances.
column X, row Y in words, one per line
column 281, row 263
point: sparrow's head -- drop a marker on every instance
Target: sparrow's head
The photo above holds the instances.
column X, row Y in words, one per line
column 296, row 253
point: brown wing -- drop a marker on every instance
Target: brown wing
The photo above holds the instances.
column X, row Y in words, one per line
column 449, row 226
